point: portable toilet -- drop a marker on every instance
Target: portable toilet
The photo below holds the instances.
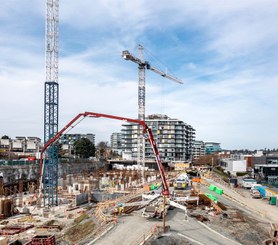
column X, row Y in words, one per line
column 273, row 200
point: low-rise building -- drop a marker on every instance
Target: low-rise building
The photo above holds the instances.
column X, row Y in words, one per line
column 234, row 163
column 21, row 146
column 266, row 167
column 212, row 147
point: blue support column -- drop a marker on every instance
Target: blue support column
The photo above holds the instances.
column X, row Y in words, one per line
column 51, row 161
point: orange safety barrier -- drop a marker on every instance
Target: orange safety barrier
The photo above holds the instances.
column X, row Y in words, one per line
column 196, row 180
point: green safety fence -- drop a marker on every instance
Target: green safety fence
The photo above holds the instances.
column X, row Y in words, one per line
column 216, row 189
column 155, row 186
column 212, row 197
column 212, row 187
column 219, row 191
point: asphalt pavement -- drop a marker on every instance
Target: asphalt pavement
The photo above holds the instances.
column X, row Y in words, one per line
column 131, row 229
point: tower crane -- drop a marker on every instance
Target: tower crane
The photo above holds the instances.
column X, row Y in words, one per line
column 51, row 100
column 142, row 65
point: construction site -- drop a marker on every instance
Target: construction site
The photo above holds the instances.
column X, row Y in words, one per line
column 104, row 204
column 116, row 207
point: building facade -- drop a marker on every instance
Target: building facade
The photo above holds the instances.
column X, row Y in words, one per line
column 71, row 138
column 234, row 165
column 198, row 149
column 67, row 141
column 116, row 142
column 173, row 137
column 21, row 146
column 266, row 167
column 212, row 147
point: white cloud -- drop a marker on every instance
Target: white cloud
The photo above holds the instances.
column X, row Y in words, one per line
column 224, row 51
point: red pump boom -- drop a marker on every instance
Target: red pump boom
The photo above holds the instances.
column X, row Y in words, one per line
column 146, row 130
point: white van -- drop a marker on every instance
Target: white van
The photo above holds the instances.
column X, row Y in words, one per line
column 247, row 183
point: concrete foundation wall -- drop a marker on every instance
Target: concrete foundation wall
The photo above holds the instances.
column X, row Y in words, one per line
column 11, row 174
column 98, row 196
column 81, row 198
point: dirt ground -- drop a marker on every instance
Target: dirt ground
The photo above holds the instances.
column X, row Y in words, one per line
column 246, row 230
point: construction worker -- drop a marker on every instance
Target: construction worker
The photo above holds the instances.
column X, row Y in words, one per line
column 121, row 210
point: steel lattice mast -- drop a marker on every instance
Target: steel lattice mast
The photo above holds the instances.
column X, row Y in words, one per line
column 51, row 102
column 141, row 111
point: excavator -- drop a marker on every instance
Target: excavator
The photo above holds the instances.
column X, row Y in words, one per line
column 146, row 131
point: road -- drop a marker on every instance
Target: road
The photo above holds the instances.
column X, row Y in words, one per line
column 247, row 203
column 130, row 229
column 197, row 232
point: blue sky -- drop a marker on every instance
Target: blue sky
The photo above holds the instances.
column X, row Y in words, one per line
column 224, row 51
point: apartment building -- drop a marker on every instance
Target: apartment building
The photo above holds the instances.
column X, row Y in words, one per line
column 173, row 137
column 67, row 141
column 71, row 138
column 198, row 149
column 116, row 142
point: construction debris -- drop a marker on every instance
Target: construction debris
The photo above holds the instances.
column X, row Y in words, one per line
column 90, row 203
column 273, row 235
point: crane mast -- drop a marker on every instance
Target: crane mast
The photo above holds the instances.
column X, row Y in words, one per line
column 142, row 65
column 51, row 102
column 141, row 113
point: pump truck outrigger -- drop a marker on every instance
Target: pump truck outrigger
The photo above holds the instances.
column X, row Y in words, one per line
column 146, row 130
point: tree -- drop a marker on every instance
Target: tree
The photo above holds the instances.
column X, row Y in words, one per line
column 102, row 148
column 84, row 148
column 207, row 160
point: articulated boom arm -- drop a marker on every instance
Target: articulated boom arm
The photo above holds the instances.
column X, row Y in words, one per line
column 98, row 115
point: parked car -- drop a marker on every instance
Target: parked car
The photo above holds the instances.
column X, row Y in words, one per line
column 255, row 193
